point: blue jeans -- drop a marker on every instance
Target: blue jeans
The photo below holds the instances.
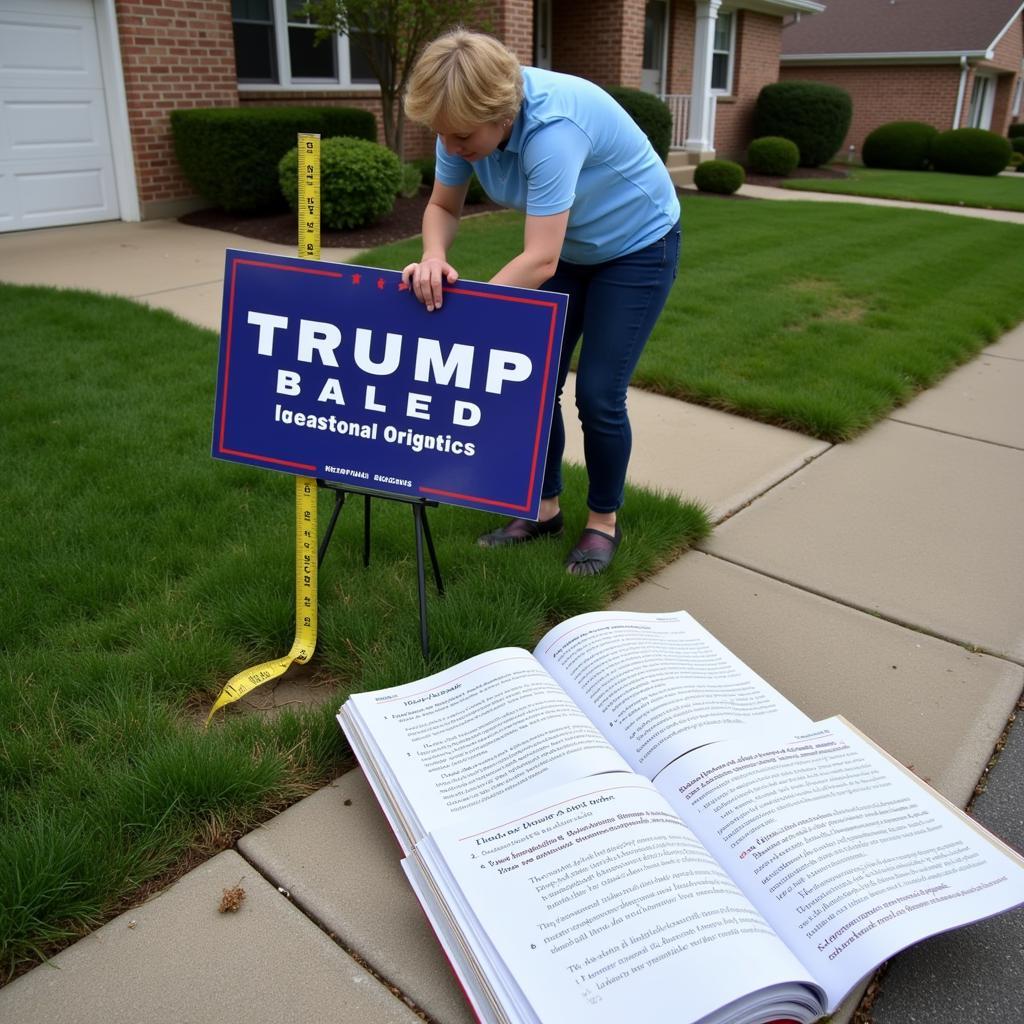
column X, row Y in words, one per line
column 614, row 306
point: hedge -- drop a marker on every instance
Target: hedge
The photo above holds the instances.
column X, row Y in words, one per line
column 721, row 176
column 899, row 146
column 358, row 183
column 649, row 112
column 970, row 151
column 230, row 154
column 773, row 155
column 814, row 116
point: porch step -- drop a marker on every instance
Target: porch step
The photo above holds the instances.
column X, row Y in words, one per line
column 681, row 174
column 681, row 164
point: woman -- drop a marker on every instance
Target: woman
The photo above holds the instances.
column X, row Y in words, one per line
column 602, row 225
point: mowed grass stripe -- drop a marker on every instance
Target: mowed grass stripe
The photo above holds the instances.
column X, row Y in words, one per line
column 818, row 317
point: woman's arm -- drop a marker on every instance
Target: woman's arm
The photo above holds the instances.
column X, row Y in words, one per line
column 542, row 245
column 440, row 225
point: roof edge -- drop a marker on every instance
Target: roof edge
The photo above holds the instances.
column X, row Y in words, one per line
column 796, row 6
column 1006, row 27
column 922, row 56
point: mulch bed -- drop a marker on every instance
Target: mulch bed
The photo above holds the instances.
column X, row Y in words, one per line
column 405, row 220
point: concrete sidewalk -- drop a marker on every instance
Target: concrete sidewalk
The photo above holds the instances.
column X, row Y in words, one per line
column 770, row 192
column 880, row 579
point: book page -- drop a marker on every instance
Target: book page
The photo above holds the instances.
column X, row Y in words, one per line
column 593, row 902
column 846, row 853
column 660, row 685
column 468, row 737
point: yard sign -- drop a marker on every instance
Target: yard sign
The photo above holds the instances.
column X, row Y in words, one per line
column 338, row 372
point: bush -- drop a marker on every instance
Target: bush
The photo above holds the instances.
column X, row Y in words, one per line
column 1015, row 130
column 773, row 154
column 649, row 112
column 722, row 176
column 412, row 178
column 476, row 193
column 814, row 116
column 426, row 168
column 899, row 146
column 230, row 154
column 1017, row 143
column 970, row 151
column 358, row 181
column 1016, row 160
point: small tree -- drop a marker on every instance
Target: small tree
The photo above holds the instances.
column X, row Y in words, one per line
column 391, row 34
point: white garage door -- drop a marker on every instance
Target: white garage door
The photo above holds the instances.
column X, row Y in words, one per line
column 56, row 163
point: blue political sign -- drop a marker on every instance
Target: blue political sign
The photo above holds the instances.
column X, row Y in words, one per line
column 338, row 372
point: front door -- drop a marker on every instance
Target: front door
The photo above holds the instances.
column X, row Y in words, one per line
column 655, row 44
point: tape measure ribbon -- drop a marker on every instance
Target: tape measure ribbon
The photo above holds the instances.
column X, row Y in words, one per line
column 304, row 643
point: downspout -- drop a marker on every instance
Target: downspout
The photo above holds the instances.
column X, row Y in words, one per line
column 960, row 92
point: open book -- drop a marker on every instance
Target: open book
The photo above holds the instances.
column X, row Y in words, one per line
column 630, row 821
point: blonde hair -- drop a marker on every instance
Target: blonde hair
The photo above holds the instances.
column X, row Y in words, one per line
column 462, row 80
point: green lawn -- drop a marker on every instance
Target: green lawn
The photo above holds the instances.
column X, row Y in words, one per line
column 990, row 193
column 819, row 317
column 139, row 574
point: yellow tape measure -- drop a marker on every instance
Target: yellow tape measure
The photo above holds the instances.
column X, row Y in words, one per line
column 305, row 489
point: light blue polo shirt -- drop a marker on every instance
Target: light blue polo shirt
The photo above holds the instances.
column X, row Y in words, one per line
column 574, row 148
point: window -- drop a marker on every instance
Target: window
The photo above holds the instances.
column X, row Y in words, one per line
column 308, row 61
column 275, row 45
column 722, row 53
column 255, row 55
column 982, row 97
column 655, row 20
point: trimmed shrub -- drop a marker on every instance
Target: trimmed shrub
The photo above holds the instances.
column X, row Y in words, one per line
column 1015, row 130
column 773, row 154
column 721, row 176
column 476, row 194
column 899, row 146
column 412, row 178
column 970, row 151
column 426, row 168
column 1016, row 159
column 230, row 154
column 649, row 112
column 358, row 181
column 814, row 116
column 1017, row 143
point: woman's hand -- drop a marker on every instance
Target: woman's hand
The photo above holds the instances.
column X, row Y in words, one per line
column 425, row 280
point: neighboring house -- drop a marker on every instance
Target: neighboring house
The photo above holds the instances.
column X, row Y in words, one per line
column 948, row 63
column 87, row 86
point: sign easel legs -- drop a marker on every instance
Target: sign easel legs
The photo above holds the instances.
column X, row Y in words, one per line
column 421, row 529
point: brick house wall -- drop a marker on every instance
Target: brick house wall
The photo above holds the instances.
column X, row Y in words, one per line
column 180, row 55
column 755, row 65
column 511, row 21
column 918, row 92
column 173, row 57
column 883, row 93
column 602, row 40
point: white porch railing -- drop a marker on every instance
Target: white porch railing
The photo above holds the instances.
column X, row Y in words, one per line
column 680, row 108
